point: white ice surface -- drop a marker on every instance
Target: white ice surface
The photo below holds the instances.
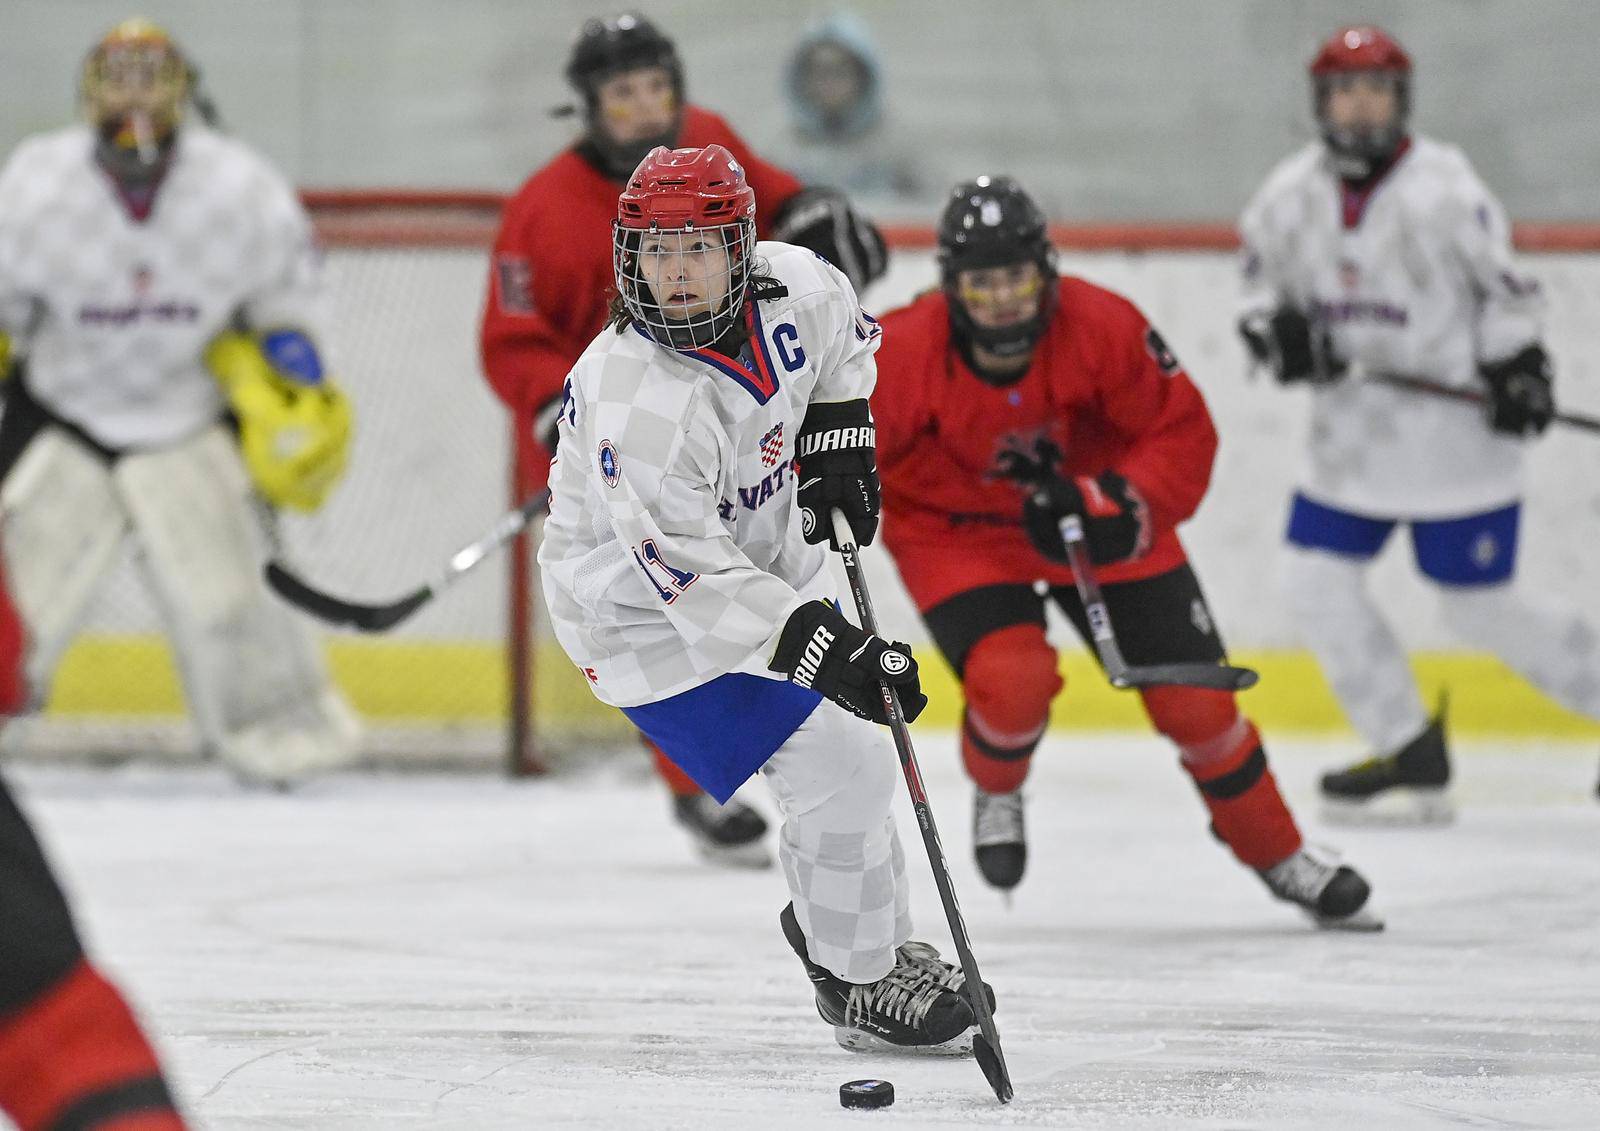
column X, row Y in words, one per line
column 469, row 953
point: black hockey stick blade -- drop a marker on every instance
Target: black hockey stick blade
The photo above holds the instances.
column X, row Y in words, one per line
column 994, row 1069
column 1218, row 677
column 333, row 610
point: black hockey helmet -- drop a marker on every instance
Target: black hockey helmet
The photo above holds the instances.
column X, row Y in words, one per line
column 608, row 46
column 993, row 222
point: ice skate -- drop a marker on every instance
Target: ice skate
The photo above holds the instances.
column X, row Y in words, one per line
column 729, row 835
column 912, row 1009
column 1333, row 894
column 999, row 841
column 1407, row 787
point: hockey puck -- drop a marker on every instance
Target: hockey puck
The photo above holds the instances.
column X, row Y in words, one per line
column 866, row 1093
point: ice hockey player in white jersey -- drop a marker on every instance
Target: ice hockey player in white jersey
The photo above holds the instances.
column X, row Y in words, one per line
column 159, row 290
column 1376, row 250
column 686, row 574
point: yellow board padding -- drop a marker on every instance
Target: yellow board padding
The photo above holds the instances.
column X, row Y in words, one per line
column 441, row 680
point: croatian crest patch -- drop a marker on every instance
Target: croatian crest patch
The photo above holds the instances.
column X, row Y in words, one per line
column 610, row 466
column 772, row 446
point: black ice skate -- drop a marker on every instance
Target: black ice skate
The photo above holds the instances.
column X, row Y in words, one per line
column 729, row 834
column 915, row 1008
column 998, row 839
column 1403, row 788
column 1333, row 894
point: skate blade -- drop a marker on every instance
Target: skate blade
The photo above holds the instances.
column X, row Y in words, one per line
column 1361, row 922
column 859, row 1040
column 1399, row 808
column 753, row 856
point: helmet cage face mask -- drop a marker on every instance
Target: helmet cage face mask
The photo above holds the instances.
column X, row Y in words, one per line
column 712, row 262
column 1358, row 151
column 133, row 89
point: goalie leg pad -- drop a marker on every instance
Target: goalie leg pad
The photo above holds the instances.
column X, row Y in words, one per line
column 61, row 526
column 1009, row 680
column 257, row 683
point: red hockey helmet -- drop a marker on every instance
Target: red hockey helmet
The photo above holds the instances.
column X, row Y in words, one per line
column 1360, row 48
column 1359, row 150
column 683, row 244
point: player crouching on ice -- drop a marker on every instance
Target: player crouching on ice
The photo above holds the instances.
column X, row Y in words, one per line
column 686, row 574
column 985, row 384
column 159, row 284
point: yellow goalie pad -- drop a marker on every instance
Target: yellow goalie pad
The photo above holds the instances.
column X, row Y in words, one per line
column 5, row 355
column 295, row 437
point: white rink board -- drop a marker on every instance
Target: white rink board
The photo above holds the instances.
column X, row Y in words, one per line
column 428, row 471
column 448, row 952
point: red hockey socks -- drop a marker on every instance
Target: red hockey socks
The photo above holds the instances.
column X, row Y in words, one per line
column 1009, row 679
column 74, row 1058
column 1222, row 752
column 680, row 783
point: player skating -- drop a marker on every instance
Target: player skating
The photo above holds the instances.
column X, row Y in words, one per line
column 1376, row 249
column 1008, row 400
column 154, row 277
column 551, row 276
column 686, row 570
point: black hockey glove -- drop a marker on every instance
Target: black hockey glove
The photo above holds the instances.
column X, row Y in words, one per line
column 821, row 650
column 1520, row 399
column 1284, row 343
column 821, row 220
column 547, row 421
column 838, row 469
column 1116, row 522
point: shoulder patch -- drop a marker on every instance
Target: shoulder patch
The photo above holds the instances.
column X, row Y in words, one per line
column 610, row 466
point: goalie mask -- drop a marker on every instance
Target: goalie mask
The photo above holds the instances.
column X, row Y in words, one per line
column 1351, row 56
column 133, row 88
column 991, row 223
column 683, row 244
column 607, row 49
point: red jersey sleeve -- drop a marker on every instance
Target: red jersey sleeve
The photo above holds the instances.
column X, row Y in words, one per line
column 525, row 355
column 900, row 407
column 1145, row 395
column 773, row 186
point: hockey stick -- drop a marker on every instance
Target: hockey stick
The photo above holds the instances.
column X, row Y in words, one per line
column 1437, row 389
column 377, row 618
column 986, row 1044
column 1222, row 677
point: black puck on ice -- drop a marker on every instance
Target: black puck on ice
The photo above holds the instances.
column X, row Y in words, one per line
column 866, row 1093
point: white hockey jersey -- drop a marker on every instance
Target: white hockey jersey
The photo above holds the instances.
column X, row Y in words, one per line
column 673, row 552
column 113, row 313
column 1420, row 280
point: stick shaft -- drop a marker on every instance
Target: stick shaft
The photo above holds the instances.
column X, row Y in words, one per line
column 850, row 554
column 1471, row 396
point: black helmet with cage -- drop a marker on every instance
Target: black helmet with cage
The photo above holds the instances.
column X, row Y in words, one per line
column 993, row 222
column 608, row 46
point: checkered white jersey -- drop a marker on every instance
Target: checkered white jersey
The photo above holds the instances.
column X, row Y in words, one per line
column 113, row 312
column 1424, row 284
column 673, row 553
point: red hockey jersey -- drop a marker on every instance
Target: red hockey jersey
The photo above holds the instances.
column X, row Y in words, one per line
column 1103, row 388
column 551, row 275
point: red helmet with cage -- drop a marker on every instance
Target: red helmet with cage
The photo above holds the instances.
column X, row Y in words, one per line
column 683, row 244
column 1360, row 150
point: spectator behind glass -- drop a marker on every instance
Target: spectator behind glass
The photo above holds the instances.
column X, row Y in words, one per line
column 835, row 99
